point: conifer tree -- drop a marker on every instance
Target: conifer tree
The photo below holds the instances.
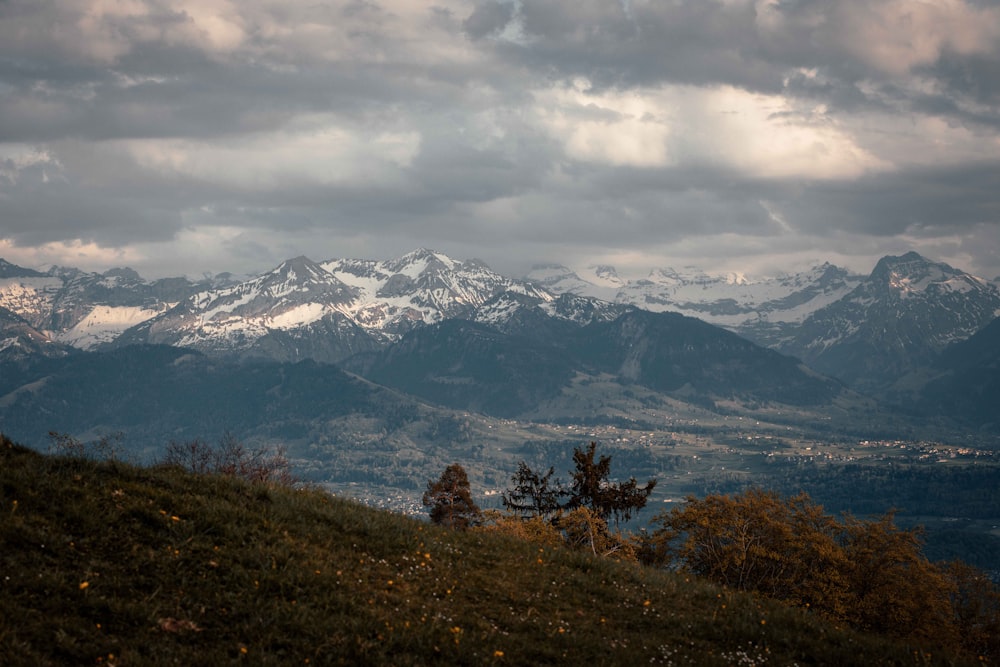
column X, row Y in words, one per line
column 592, row 489
column 450, row 499
column 533, row 495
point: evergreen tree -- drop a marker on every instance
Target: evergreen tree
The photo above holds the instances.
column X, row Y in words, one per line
column 450, row 499
column 533, row 495
column 536, row 495
column 592, row 489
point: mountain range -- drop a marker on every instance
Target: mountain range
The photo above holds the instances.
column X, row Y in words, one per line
column 458, row 333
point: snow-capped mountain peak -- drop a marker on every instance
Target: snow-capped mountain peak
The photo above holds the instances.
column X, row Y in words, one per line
column 909, row 309
column 606, row 276
column 349, row 302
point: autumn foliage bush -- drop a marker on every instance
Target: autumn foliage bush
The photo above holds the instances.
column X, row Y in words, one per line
column 868, row 573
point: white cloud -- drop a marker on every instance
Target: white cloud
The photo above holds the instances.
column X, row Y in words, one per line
column 74, row 253
column 617, row 128
column 897, row 36
column 763, row 136
column 313, row 149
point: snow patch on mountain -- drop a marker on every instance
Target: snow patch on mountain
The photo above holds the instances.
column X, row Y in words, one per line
column 298, row 315
column 330, row 309
column 104, row 324
column 732, row 300
column 600, row 282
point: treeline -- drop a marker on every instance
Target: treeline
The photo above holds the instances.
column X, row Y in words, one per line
column 866, row 573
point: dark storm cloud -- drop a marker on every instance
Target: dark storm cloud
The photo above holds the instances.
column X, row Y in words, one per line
column 758, row 46
column 924, row 202
column 38, row 205
column 690, row 42
column 488, row 18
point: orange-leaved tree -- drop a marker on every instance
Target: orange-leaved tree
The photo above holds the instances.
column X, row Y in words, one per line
column 869, row 574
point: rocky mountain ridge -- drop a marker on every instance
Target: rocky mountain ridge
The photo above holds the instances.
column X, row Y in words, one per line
column 895, row 321
column 328, row 311
column 867, row 331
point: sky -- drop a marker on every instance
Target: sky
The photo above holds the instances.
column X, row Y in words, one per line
column 192, row 136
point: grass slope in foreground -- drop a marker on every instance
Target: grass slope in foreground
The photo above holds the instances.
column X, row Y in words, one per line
column 105, row 563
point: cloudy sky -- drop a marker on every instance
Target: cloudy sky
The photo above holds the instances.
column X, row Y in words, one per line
column 184, row 136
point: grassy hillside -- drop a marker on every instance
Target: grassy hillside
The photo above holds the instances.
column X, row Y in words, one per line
column 105, row 563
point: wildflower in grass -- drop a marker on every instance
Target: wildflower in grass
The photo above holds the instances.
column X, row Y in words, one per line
column 497, row 654
column 84, row 585
column 177, row 625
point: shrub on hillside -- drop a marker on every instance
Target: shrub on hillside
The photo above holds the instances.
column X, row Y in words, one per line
column 868, row 573
column 231, row 457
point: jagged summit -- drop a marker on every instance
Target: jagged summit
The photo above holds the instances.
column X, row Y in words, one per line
column 911, row 274
column 607, row 275
column 8, row 270
column 420, row 260
column 907, row 311
column 329, row 310
column 125, row 273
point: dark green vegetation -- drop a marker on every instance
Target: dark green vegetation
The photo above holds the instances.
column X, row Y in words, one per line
column 473, row 366
column 966, row 380
column 362, row 439
column 109, row 563
column 148, row 391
